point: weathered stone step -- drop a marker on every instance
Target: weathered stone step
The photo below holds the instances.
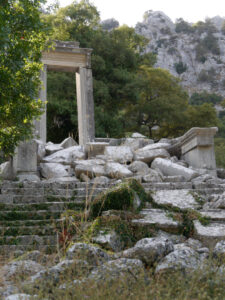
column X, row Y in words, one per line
column 27, row 230
column 167, row 186
column 29, row 215
column 8, row 250
column 29, row 240
column 27, row 223
column 209, row 234
column 217, row 215
column 158, row 218
column 48, row 206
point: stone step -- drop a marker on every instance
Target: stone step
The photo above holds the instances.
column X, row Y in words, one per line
column 48, row 206
column 9, row 250
column 29, row 215
column 27, row 223
column 27, row 240
column 27, row 230
column 167, row 186
column 217, row 215
column 159, row 219
column 209, row 234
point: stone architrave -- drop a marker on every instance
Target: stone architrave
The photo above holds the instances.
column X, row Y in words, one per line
column 197, row 148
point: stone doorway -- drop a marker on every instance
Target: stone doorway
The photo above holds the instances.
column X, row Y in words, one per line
column 68, row 57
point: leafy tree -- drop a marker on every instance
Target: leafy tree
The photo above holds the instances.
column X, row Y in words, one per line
column 115, row 62
column 21, row 42
column 162, row 102
column 180, row 67
column 204, row 97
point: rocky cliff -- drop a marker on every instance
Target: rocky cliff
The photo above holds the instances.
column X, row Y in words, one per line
column 193, row 52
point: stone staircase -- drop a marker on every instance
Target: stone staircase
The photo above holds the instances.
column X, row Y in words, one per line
column 30, row 213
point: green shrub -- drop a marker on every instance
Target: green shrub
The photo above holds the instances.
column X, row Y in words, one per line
column 220, row 152
column 205, row 97
column 183, row 26
column 180, row 67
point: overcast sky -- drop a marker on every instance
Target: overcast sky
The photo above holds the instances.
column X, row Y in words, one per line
column 131, row 11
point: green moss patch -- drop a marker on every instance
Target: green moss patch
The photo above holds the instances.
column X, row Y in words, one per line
column 121, row 197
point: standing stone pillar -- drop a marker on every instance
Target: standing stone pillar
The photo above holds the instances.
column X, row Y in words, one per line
column 41, row 124
column 85, row 105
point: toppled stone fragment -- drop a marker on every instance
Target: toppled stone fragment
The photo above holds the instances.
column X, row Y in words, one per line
column 139, row 167
column 184, row 258
column 66, row 156
column 68, row 142
column 169, row 168
column 6, row 171
column 148, row 156
column 121, row 154
column 152, row 176
column 116, row 170
column 108, row 240
column 92, row 254
column 219, row 250
column 52, row 148
column 91, row 168
column 54, row 170
column 149, row 250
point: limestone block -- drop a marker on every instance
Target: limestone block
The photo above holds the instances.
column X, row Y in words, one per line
column 210, row 234
column 68, row 142
column 121, row 154
column 156, row 146
column 66, row 156
column 181, row 199
column 52, row 148
column 108, row 240
column 184, row 258
column 6, row 171
column 139, row 167
column 116, row 170
column 137, row 135
column 54, row 170
column 95, row 148
column 149, row 250
column 169, row 168
column 41, row 150
column 91, row 168
column 152, row 176
column 25, row 159
column 148, row 156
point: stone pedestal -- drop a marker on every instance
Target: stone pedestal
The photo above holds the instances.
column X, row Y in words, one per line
column 41, row 124
column 85, row 105
column 197, row 148
column 25, row 161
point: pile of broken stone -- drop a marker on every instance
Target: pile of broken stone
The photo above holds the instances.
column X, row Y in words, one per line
column 99, row 266
column 135, row 157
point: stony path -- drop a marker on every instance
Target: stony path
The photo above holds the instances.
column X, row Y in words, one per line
column 30, row 213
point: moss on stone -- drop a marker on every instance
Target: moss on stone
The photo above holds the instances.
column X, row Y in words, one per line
column 120, row 197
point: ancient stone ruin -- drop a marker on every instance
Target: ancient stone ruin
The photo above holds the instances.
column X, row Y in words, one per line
column 170, row 191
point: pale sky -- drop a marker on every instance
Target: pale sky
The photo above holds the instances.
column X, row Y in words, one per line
column 131, row 11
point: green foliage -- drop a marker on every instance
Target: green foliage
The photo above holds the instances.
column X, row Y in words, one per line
column 180, row 67
column 205, row 97
column 161, row 102
column 219, row 152
column 208, row 76
column 120, row 197
column 183, row 26
column 206, row 45
column 22, row 40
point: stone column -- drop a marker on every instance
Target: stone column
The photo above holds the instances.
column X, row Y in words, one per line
column 41, row 125
column 85, row 105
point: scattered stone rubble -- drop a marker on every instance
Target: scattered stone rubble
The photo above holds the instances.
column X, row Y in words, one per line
column 182, row 195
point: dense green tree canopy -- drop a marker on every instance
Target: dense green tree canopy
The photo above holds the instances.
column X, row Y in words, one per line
column 21, row 41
